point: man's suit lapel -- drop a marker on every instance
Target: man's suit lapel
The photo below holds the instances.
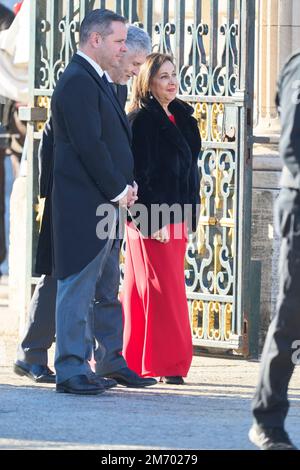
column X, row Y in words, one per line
column 106, row 89
column 122, row 92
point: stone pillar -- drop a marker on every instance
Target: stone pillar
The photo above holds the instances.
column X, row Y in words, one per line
column 277, row 36
column 17, row 257
column 289, row 29
column 266, row 63
column 296, row 26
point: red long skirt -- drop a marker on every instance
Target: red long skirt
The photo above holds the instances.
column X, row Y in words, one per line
column 157, row 333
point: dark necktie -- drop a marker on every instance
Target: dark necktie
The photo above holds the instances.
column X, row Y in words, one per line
column 104, row 78
column 114, row 87
column 113, row 90
column 111, row 85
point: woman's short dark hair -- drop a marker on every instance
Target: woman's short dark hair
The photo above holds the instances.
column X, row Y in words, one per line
column 98, row 20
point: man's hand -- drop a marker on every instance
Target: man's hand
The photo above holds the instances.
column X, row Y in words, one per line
column 131, row 196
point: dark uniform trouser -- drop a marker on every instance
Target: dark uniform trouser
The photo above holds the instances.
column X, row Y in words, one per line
column 270, row 404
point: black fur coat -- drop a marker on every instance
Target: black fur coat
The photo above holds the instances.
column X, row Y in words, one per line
column 166, row 155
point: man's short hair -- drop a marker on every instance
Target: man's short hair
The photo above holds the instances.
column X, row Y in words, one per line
column 98, row 20
column 138, row 40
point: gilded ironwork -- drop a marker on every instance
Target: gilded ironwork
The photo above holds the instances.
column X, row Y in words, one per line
column 41, row 102
column 212, row 43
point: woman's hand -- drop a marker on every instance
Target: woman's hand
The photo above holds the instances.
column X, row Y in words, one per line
column 161, row 235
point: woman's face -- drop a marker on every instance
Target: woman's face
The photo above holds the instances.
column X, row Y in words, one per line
column 164, row 84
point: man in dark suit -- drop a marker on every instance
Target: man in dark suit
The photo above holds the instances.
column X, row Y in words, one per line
column 39, row 335
column 93, row 168
column 282, row 346
column 107, row 326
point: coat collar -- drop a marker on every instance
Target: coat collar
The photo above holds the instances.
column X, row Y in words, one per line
column 106, row 89
column 180, row 110
column 177, row 107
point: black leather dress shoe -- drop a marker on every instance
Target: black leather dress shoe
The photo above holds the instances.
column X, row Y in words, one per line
column 129, row 378
column 36, row 372
column 79, row 385
column 103, row 381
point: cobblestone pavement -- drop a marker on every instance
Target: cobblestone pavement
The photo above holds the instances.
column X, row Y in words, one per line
column 210, row 411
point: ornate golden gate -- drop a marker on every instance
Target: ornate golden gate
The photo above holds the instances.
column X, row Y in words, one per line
column 213, row 43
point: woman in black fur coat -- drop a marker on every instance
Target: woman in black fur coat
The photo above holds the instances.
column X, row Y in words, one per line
column 166, row 145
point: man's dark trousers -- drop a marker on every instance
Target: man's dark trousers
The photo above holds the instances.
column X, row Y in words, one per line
column 40, row 327
column 270, row 404
column 105, row 318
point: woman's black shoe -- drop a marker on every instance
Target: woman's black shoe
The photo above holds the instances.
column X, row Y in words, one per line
column 172, row 379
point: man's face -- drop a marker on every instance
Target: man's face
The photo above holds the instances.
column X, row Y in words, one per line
column 112, row 48
column 129, row 67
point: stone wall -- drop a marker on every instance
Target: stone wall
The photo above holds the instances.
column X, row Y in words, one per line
column 277, row 37
column 265, row 241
